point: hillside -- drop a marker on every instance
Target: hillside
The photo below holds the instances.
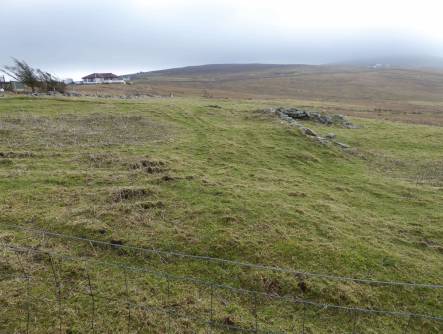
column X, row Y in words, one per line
column 329, row 83
column 404, row 94
column 412, row 62
column 219, row 178
column 214, row 69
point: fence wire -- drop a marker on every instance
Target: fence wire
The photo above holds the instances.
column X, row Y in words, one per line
column 225, row 261
column 212, row 313
column 55, row 262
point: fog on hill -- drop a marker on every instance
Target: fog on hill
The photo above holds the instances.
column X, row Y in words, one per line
column 84, row 37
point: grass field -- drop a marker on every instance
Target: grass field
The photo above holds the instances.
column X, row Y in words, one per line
column 229, row 182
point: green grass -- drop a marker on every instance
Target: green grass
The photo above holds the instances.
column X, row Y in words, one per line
column 233, row 183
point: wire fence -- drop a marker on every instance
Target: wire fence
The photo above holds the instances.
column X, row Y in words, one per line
column 223, row 261
column 98, row 295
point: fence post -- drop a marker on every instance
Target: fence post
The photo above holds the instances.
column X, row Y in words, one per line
column 58, row 292
column 128, row 301
column 255, row 313
column 168, row 299
column 408, row 325
column 303, row 319
column 354, row 322
column 28, row 294
column 91, row 294
column 28, row 303
column 211, row 311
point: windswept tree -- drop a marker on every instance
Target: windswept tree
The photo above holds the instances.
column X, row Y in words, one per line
column 33, row 78
column 48, row 82
column 22, row 72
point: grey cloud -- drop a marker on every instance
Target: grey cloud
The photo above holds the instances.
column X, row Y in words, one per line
column 85, row 36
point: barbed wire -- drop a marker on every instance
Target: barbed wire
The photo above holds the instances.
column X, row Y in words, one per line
column 227, row 287
column 367, row 281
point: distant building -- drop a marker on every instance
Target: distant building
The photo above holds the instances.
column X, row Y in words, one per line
column 17, row 86
column 68, row 81
column 14, row 86
column 102, row 78
column 380, row 66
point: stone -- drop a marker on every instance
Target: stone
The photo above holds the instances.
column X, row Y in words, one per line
column 321, row 140
column 297, row 124
column 291, row 116
column 342, row 145
column 286, row 118
column 299, row 114
column 308, row 132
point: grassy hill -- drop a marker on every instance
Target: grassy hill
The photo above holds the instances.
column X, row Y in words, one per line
column 400, row 94
column 229, row 182
column 331, row 83
column 412, row 61
column 217, row 69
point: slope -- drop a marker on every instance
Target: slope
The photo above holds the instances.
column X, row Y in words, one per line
column 229, row 182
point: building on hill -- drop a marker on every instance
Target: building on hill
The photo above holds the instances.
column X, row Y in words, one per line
column 102, row 78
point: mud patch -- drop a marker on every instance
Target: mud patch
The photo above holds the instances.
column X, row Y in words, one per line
column 16, row 155
column 6, row 162
column 151, row 205
column 116, row 243
column 168, row 178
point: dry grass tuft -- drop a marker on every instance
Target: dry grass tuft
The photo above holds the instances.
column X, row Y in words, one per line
column 67, row 130
column 126, row 194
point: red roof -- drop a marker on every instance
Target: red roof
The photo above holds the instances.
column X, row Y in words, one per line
column 100, row 76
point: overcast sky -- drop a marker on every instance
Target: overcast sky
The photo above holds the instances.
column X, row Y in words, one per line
column 75, row 38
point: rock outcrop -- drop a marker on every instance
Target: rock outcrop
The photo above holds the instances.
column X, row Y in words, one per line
column 304, row 115
column 293, row 116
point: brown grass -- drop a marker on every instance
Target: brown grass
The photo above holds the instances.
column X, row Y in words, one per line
column 405, row 95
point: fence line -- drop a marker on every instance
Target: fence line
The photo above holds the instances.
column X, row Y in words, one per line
column 367, row 281
column 227, row 287
column 170, row 310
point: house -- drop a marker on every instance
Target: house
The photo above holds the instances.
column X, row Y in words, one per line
column 102, row 78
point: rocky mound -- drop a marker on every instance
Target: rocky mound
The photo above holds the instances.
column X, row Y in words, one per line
column 304, row 115
column 293, row 116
